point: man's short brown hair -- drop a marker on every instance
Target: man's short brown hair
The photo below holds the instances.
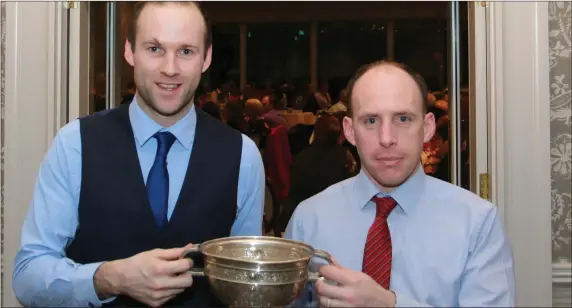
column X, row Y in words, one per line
column 419, row 81
column 140, row 5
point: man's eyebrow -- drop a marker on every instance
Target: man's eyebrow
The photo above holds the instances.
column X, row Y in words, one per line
column 189, row 46
column 152, row 41
column 369, row 114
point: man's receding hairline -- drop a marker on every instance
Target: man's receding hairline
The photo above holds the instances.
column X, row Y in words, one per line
column 140, row 7
column 164, row 3
column 385, row 66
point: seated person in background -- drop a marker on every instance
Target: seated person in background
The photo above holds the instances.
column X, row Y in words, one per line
column 233, row 115
column 270, row 104
column 311, row 105
column 324, row 162
column 321, row 164
column 341, row 104
column 221, row 94
column 212, row 109
column 299, row 137
column 408, row 239
column 258, row 129
column 253, row 109
column 323, row 96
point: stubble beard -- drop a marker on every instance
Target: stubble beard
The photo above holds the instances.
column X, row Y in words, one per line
column 148, row 99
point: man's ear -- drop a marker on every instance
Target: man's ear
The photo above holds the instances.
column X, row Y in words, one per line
column 349, row 130
column 128, row 53
column 208, row 58
column 428, row 126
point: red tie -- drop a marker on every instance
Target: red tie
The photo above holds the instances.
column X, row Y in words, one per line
column 377, row 253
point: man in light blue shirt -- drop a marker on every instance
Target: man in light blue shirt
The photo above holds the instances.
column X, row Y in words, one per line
column 444, row 246
column 120, row 194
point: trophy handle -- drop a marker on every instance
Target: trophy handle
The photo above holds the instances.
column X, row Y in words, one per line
column 189, row 253
column 324, row 255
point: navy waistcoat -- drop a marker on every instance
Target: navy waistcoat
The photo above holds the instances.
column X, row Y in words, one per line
column 115, row 218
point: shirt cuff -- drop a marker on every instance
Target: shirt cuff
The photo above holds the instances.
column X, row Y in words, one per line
column 404, row 301
column 84, row 286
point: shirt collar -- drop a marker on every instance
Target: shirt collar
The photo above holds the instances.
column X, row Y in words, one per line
column 406, row 195
column 144, row 127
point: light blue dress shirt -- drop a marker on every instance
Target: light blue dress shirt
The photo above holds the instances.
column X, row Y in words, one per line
column 43, row 276
column 449, row 245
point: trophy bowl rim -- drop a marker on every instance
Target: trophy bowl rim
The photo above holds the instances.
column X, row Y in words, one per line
column 203, row 248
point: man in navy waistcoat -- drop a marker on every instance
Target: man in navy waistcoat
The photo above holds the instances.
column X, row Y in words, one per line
column 121, row 194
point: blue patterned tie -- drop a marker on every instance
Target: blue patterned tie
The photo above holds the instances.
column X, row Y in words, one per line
column 158, row 179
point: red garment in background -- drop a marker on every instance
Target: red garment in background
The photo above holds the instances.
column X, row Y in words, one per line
column 277, row 159
column 233, row 99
